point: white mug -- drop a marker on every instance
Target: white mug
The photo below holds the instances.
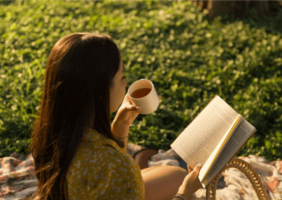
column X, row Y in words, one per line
column 143, row 94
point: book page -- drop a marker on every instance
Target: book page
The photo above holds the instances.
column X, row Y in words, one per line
column 215, row 154
column 239, row 137
column 199, row 139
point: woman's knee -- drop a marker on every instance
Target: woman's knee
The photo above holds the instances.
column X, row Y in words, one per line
column 143, row 156
column 165, row 173
column 163, row 182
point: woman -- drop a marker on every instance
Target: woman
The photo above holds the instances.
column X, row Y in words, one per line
column 78, row 153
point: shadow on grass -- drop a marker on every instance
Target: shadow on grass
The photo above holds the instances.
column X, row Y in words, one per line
column 271, row 22
column 6, row 2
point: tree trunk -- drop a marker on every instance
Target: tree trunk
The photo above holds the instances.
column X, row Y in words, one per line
column 235, row 8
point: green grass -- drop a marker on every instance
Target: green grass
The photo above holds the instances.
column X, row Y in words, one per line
column 188, row 57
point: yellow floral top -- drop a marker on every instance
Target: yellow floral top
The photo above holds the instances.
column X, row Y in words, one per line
column 101, row 170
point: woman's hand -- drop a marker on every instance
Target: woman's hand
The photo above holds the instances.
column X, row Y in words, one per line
column 190, row 183
column 125, row 116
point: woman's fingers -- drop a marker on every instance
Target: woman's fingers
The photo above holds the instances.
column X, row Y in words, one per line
column 198, row 167
column 129, row 105
column 132, row 107
column 127, row 98
column 189, row 168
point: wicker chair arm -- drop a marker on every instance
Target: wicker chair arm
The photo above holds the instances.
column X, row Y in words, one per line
column 247, row 169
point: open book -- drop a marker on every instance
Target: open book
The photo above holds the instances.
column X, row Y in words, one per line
column 213, row 138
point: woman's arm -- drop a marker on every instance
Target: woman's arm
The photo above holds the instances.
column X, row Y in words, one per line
column 191, row 183
column 165, row 182
column 121, row 131
column 125, row 116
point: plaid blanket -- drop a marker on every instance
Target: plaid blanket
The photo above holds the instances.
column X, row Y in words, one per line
column 17, row 177
column 18, row 180
column 237, row 185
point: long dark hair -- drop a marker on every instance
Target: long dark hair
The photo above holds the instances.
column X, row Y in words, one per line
column 79, row 73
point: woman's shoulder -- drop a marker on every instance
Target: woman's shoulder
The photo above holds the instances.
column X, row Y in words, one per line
column 109, row 154
column 102, row 153
column 101, row 163
column 117, row 156
column 106, row 171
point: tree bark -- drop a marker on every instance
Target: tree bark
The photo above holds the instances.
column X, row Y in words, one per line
column 233, row 8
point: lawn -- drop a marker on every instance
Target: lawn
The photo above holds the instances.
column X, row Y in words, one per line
column 189, row 58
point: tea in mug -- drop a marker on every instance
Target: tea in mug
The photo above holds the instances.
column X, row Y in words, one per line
column 139, row 93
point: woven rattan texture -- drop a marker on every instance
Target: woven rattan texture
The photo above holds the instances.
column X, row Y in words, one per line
column 247, row 169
